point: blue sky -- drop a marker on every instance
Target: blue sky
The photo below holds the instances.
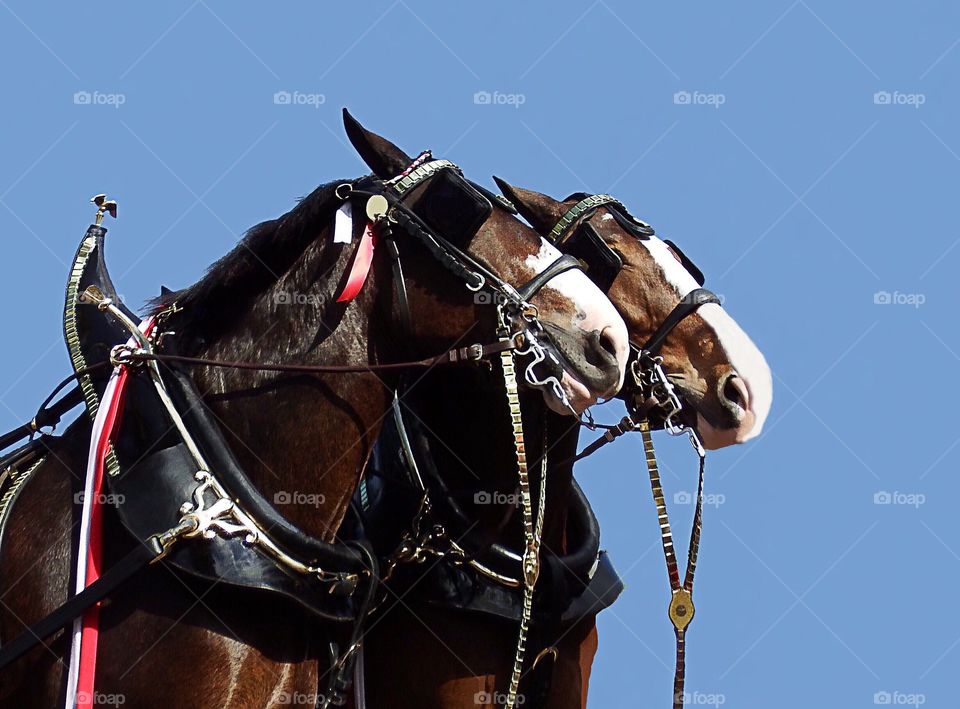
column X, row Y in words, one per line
column 806, row 154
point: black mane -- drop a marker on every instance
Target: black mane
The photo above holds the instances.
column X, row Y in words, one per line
column 259, row 259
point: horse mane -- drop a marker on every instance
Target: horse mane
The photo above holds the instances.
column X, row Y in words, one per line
column 264, row 254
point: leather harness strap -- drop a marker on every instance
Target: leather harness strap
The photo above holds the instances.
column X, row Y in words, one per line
column 140, row 557
column 50, row 414
column 681, row 607
column 687, row 306
column 470, row 353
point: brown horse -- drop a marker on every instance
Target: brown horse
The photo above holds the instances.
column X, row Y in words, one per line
column 208, row 644
column 465, row 659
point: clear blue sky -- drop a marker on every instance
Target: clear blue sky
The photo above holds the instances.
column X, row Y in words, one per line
column 800, row 193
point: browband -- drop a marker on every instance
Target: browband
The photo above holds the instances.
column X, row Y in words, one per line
column 584, row 205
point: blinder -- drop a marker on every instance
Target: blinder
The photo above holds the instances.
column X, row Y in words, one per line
column 451, row 206
column 602, row 264
column 448, row 214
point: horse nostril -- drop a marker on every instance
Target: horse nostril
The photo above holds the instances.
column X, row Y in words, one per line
column 734, row 392
column 607, row 342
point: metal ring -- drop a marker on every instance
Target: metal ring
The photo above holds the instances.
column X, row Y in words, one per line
column 481, row 284
column 349, row 188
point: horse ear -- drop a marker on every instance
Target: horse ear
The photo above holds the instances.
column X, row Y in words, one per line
column 541, row 211
column 381, row 156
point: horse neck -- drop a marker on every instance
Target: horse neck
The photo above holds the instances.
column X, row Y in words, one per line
column 302, row 439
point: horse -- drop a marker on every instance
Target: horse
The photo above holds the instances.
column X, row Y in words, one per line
column 725, row 386
column 291, row 432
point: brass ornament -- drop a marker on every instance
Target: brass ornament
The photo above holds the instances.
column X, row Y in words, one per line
column 681, row 609
column 377, row 207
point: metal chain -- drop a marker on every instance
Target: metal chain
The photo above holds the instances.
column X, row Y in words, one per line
column 681, row 609
column 532, row 529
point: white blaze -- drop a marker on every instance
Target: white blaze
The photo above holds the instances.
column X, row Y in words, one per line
column 744, row 356
column 593, row 311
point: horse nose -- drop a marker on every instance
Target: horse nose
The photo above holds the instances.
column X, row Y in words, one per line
column 734, row 396
column 602, row 352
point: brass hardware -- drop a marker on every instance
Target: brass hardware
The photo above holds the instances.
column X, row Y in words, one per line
column 104, row 205
column 377, row 207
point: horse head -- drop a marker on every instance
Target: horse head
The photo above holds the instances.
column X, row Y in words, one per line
column 581, row 330
column 719, row 372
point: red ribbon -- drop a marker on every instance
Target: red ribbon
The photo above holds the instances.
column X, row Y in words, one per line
column 362, row 261
column 91, row 617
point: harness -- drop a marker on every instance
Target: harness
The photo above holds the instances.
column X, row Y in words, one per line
column 245, row 542
column 648, row 389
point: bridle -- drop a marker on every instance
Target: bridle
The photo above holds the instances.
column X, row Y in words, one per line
column 648, row 388
column 387, row 207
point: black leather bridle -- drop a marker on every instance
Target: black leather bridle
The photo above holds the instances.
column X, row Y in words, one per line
column 575, row 235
